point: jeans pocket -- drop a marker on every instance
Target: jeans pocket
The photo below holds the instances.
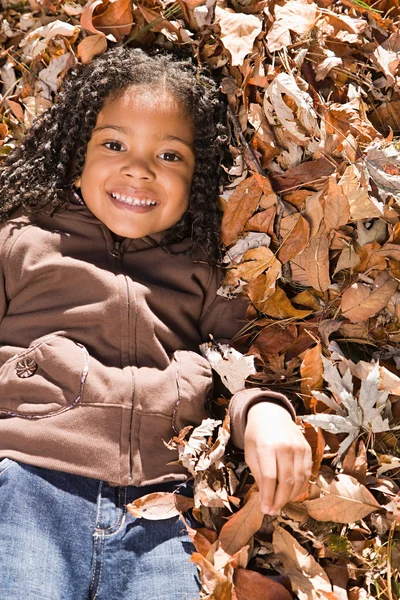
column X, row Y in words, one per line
column 5, row 463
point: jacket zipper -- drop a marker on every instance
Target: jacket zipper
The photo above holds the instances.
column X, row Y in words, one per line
column 117, row 254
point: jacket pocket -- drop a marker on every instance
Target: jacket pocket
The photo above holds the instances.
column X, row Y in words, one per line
column 43, row 380
column 194, row 382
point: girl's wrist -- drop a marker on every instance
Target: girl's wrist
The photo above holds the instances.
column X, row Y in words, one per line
column 267, row 409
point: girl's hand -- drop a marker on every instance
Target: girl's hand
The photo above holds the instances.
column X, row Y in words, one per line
column 278, row 455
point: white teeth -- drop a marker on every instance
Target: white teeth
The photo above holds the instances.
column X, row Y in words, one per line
column 133, row 201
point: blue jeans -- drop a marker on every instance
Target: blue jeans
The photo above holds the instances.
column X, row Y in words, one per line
column 65, row 537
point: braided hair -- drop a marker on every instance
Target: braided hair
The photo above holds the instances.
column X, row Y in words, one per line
column 38, row 175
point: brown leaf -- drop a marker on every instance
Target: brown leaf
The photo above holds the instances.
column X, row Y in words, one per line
column 250, row 585
column 361, row 301
column 308, row 579
column 91, row 46
column 202, row 538
column 264, row 286
column 238, row 530
column 336, row 205
column 274, row 339
column 263, row 221
column 213, row 582
column 355, row 462
column 295, row 232
column 315, row 438
column 306, row 298
column 159, row 505
column 280, row 307
column 254, row 263
column 110, row 17
column 304, row 174
column 370, row 259
column 343, row 500
column 240, row 207
column 316, row 257
column 311, row 370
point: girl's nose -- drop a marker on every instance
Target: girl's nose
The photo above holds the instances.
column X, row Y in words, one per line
column 137, row 167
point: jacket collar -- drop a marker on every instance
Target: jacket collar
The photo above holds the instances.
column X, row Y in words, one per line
column 77, row 209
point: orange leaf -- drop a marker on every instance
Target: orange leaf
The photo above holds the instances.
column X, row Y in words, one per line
column 311, row 370
column 91, row 46
column 360, row 301
column 262, row 221
column 295, row 232
column 280, row 307
column 114, row 17
column 254, row 263
column 250, row 585
column 240, row 207
column 238, row 530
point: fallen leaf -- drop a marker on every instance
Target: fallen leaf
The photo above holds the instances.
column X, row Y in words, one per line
column 308, row 579
column 295, row 232
column 250, row 585
column 232, row 366
column 311, row 370
column 113, row 18
column 242, row 204
column 298, row 16
column 159, row 505
column 238, row 32
column 239, row 528
column 316, row 257
column 279, row 306
column 213, row 582
column 361, row 301
column 91, row 46
column 336, row 205
column 343, row 500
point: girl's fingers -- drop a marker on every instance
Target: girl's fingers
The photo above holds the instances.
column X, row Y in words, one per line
column 285, row 479
column 267, row 484
column 300, row 473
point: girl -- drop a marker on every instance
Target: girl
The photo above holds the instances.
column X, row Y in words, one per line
column 107, row 287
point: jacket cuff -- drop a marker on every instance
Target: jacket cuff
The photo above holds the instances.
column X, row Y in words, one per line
column 242, row 401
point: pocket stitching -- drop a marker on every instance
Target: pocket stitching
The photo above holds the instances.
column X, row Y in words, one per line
column 83, row 377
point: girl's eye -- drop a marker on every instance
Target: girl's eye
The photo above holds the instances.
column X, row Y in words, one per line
column 169, row 156
column 116, row 146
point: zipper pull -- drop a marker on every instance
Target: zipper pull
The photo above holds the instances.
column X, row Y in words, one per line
column 115, row 252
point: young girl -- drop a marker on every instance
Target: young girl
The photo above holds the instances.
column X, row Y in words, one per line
column 108, row 282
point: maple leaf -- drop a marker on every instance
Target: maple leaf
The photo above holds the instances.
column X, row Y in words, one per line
column 353, row 414
column 232, row 366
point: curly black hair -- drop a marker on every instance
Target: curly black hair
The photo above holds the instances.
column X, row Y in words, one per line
column 38, row 175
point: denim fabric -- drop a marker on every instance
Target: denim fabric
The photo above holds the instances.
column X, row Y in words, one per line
column 65, row 537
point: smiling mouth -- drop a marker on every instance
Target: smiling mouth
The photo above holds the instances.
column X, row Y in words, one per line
column 132, row 200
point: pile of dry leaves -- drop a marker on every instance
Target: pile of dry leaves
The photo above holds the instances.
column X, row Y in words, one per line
column 312, row 231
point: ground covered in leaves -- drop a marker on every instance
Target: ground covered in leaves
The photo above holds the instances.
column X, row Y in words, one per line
column 312, row 231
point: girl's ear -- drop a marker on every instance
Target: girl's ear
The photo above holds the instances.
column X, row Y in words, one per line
column 77, row 183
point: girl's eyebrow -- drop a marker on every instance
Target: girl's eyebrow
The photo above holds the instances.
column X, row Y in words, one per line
column 128, row 131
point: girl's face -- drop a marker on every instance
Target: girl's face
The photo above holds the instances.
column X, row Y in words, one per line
column 139, row 163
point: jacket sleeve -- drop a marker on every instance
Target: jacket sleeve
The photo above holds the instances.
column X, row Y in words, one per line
column 223, row 319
